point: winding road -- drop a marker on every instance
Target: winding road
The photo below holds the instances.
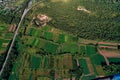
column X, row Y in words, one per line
column 16, row 33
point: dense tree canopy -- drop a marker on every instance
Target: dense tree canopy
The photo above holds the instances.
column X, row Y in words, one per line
column 101, row 23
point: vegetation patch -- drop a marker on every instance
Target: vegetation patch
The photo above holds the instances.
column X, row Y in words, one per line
column 114, row 60
column 88, row 77
column 50, row 47
column 37, row 33
column 90, row 50
column 31, row 41
column 14, row 73
column 46, row 28
column 45, row 62
column 98, row 59
column 82, row 50
column 89, row 26
column 83, row 64
column 70, row 48
column 1, row 41
column 61, row 38
column 32, row 31
column 48, row 35
column 2, row 28
column 8, row 35
column 35, row 62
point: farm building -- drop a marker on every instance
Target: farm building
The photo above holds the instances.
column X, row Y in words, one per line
column 41, row 20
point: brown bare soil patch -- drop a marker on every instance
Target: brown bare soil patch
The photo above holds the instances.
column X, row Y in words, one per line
column 90, row 67
column 100, row 70
column 108, row 47
column 108, row 43
column 110, row 54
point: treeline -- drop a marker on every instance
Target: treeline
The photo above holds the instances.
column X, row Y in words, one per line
column 11, row 60
column 112, row 69
column 101, row 23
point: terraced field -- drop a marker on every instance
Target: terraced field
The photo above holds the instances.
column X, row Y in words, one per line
column 5, row 37
column 58, row 50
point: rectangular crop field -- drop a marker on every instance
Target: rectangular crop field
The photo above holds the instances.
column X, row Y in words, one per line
column 50, row 47
column 36, row 41
column 67, row 61
column 15, row 71
column 8, row 35
column 31, row 31
column 72, row 48
column 35, row 62
column 48, row 35
column 100, row 70
column 61, row 38
column 90, row 50
column 31, row 41
column 97, row 59
column 83, row 64
column 46, row 28
column 114, row 59
column 2, row 28
column 1, row 41
column 46, row 62
column 82, row 49
column 37, row 33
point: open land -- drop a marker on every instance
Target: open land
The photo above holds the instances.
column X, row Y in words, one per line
column 62, row 49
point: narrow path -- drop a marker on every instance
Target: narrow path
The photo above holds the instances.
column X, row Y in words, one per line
column 77, row 62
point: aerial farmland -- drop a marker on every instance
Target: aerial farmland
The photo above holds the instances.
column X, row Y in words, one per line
column 62, row 40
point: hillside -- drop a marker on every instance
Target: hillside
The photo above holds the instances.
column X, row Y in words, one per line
column 100, row 22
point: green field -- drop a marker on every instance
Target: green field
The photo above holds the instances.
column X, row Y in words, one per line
column 1, row 41
column 5, row 37
column 31, row 41
column 46, row 28
column 97, row 59
column 88, row 77
column 2, row 28
column 48, row 35
column 50, row 47
column 45, row 62
column 35, row 62
column 43, row 78
column 6, row 41
column 70, row 48
column 114, row 60
column 61, row 38
column 83, row 64
column 14, row 74
column 30, row 77
column 8, row 35
column 32, row 31
column 37, row 33
column 90, row 50
column 82, row 50
column 52, row 51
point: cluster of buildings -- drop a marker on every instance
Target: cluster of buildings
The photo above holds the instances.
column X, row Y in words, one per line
column 41, row 20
